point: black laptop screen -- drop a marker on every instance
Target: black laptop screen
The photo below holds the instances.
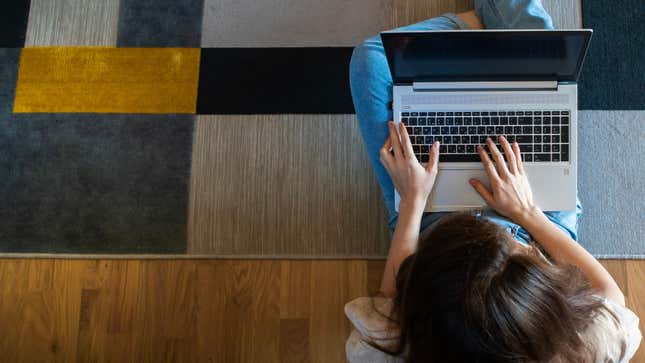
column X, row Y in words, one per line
column 485, row 55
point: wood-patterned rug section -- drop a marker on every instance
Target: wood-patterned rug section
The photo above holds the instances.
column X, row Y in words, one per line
column 283, row 185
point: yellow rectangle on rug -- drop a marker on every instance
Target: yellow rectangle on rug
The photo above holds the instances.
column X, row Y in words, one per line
column 107, row 80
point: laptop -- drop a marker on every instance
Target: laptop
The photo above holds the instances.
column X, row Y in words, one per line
column 458, row 87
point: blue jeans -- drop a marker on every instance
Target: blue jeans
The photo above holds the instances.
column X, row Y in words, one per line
column 371, row 86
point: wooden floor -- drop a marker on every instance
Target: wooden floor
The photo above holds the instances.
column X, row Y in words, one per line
column 196, row 310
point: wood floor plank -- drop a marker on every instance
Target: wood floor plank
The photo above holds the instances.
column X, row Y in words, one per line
column 374, row 276
column 294, row 289
column 14, row 279
column 109, row 315
column 239, row 314
column 64, row 301
column 618, row 270
column 285, row 185
column 72, row 22
column 333, row 284
column 212, row 298
column 168, row 289
column 294, row 340
column 39, row 314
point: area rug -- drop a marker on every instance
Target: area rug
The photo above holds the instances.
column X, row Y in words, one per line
column 161, row 129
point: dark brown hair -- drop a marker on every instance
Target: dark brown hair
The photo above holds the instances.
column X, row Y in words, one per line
column 471, row 294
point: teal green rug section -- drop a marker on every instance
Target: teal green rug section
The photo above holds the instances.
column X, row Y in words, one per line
column 612, row 77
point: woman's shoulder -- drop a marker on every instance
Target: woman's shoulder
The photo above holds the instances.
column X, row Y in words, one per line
column 614, row 332
column 375, row 330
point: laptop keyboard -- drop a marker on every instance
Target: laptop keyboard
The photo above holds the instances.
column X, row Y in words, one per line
column 543, row 136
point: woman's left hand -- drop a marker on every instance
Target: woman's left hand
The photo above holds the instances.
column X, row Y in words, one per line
column 413, row 181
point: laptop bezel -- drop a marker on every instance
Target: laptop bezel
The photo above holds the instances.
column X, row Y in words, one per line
column 587, row 34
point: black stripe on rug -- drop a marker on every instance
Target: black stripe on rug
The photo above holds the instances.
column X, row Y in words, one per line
column 612, row 76
column 91, row 183
column 14, row 15
column 275, row 81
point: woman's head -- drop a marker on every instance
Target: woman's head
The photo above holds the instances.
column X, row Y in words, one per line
column 471, row 293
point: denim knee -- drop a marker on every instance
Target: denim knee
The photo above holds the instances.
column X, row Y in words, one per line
column 370, row 85
column 359, row 56
column 365, row 57
column 513, row 14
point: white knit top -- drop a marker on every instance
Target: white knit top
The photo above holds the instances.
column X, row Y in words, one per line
column 614, row 333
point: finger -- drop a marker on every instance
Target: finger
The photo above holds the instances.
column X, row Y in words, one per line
column 518, row 158
column 510, row 155
column 385, row 164
column 405, row 138
column 488, row 165
column 388, row 145
column 434, row 157
column 396, row 144
column 482, row 190
column 497, row 156
column 386, row 156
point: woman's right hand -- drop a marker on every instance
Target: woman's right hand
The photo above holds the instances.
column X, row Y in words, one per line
column 510, row 194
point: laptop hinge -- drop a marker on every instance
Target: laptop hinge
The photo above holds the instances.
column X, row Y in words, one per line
column 485, row 86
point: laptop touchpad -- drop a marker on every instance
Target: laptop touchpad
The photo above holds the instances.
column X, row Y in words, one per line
column 452, row 190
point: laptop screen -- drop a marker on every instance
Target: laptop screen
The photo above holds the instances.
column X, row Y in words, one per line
column 485, row 55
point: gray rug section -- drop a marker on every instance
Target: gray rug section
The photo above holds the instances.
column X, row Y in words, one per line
column 303, row 23
column 9, row 59
column 91, row 184
column 611, row 183
column 160, row 23
column 86, row 183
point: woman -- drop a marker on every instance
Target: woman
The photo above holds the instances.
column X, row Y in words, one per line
column 477, row 286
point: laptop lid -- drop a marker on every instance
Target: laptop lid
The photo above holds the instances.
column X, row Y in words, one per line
column 485, row 55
